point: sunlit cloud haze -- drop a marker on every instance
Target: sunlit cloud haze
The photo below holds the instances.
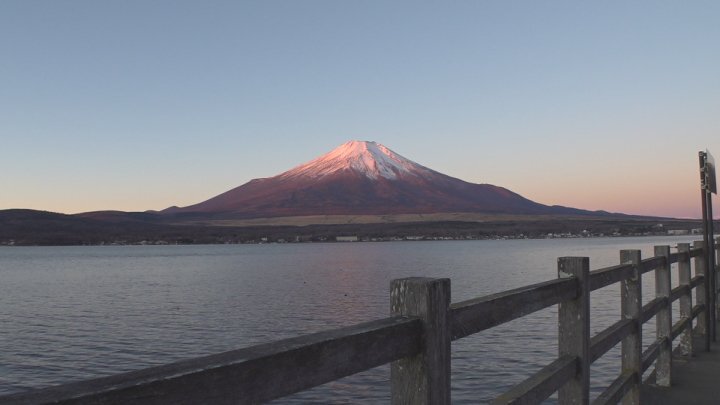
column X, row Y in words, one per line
column 140, row 105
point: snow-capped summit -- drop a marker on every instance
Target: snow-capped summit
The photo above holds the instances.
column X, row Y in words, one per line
column 367, row 157
column 357, row 178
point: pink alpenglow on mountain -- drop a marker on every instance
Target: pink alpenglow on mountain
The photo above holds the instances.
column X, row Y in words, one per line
column 362, row 177
column 369, row 158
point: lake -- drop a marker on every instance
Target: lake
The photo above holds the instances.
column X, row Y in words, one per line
column 73, row 313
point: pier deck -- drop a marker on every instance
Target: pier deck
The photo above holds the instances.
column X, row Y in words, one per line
column 695, row 381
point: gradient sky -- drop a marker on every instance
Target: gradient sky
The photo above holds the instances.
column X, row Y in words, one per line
column 136, row 105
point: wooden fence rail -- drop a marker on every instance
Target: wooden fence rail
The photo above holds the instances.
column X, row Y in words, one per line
column 417, row 339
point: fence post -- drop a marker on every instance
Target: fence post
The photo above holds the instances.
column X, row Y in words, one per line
column 574, row 330
column 703, row 320
column 717, row 274
column 425, row 378
column 663, row 319
column 631, row 303
column 686, row 346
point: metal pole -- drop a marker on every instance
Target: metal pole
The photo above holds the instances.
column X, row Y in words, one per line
column 711, row 267
column 711, row 264
column 709, row 279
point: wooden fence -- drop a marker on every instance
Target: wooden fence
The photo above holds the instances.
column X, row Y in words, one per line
column 416, row 340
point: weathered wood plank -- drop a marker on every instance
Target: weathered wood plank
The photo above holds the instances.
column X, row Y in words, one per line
column 716, row 284
column 631, row 308
column 702, row 294
column 697, row 310
column 650, row 354
column 423, row 379
column 651, row 264
column 574, row 330
column 251, row 375
column 684, row 278
column 683, row 254
column 608, row 338
column 622, row 385
column 472, row 316
column 610, row 275
column 680, row 327
column 652, row 308
column 542, row 384
column 678, row 292
column 697, row 250
column 697, row 281
column 663, row 319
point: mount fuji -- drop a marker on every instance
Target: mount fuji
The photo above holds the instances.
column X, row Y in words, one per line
column 364, row 178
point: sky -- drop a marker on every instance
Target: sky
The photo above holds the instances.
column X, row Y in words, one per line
column 140, row 105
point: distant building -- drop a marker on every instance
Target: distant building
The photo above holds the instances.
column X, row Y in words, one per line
column 346, row 238
column 678, row 232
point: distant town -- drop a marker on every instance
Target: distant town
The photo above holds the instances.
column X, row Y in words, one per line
column 657, row 230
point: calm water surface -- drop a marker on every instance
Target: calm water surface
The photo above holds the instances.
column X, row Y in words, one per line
column 72, row 313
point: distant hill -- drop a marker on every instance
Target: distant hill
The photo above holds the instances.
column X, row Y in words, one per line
column 28, row 227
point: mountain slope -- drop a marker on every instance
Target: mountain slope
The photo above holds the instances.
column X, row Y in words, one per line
column 361, row 177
